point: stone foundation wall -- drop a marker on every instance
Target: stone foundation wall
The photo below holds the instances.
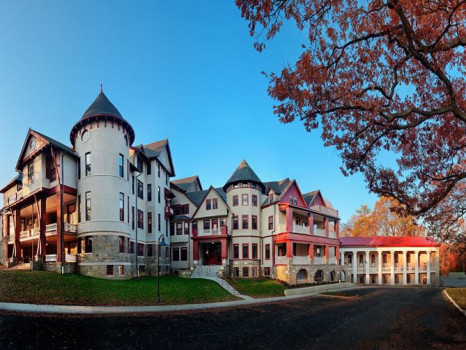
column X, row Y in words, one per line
column 54, row 267
column 253, row 268
column 289, row 273
column 3, row 252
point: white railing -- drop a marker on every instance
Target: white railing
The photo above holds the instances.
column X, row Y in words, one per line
column 319, row 232
column 301, row 260
column 212, row 231
column 318, row 260
column 332, row 234
column 51, row 227
column 23, row 234
column 332, row 260
column 14, row 197
column 280, row 260
column 51, row 257
column 71, row 258
column 301, row 229
column 325, row 210
column 70, row 227
column 29, row 233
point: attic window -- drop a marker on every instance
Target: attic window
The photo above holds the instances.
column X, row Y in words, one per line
column 271, row 197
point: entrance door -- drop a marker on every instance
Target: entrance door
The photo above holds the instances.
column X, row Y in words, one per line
column 211, row 253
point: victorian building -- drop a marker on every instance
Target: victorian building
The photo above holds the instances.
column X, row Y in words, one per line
column 107, row 208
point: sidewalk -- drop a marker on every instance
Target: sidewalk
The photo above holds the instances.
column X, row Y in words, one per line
column 106, row 310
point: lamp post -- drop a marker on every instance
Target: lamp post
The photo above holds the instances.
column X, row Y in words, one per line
column 161, row 242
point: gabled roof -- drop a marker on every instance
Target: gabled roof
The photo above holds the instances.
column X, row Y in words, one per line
column 219, row 191
column 186, row 182
column 377, row 241
column 17, row 179
column 153, row 150
column 277, row 186
column 286, row 190
column 308, row 197
column 244, row 173
column 48, row 141
column 102, row 109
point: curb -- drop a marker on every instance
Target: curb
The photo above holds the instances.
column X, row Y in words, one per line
column 454, row 302
column 108, row 310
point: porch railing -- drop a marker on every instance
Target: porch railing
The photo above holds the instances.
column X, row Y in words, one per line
column 301, row 260
column 51, row 258
column 332, row 260
column 281, row 260
column 325, row 210
column 301, row 229
column 68, row 258
column 319, row 232
column 318, row 260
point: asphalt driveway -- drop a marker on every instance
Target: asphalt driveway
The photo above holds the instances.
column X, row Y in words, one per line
column 375, row 318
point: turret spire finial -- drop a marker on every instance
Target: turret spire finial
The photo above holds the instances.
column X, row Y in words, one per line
column 101, row 89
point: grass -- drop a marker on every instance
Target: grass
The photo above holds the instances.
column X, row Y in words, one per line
column 39, row 287
column 458, row 295
column 258, row 288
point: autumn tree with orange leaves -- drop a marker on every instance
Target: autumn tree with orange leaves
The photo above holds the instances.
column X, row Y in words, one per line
column 380, row 76
column 382, row 221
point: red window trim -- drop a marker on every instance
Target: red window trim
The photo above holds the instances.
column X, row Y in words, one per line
column 247, row 222
column 242, row 251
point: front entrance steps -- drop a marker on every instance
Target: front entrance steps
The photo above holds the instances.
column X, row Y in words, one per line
column 21, row 266
column 210, row 272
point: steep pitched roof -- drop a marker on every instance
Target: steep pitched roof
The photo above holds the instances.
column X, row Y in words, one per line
column 152, row 150
column 17, row 179
column 244, row 173
column 222, row 194
column 378, row 241
column 277, row 186
column 186, row 182
column 308, row 197
column 196, row 197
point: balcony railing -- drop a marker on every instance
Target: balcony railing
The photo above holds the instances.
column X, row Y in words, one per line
column 222, row 230
column 319, row 232
column 29, row 233
column 332, row 234
column 301, row 229
column 51, row 258
column 332, row 260
column 280, row 260
column 14, row 197
column 318, row 260
column 68, row 258
column 301, row 260
column 325, row 210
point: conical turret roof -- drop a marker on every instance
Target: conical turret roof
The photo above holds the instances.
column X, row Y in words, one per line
column 102, row 109
column 243, row 173
column 102, row 106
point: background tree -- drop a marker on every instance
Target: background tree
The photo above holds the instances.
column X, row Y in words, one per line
column 382, row 221
column 380, row 76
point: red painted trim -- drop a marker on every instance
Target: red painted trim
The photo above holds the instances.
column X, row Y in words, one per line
column 296, row 237
column 209, row 238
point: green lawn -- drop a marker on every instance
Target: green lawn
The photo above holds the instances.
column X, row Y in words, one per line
column 41, row 287
column 459, row 295
column 258, row 288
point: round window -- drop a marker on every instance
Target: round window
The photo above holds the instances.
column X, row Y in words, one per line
column 85, row 136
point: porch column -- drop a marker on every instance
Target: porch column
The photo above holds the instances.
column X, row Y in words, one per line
column 337, row 255
column 379, row 267
column 337, row 229
column 405, row 274
column 196, row 251
column 392, row 267
column 59, row 227
column 326, row 226
column 42, row 229
column 310, row 223
column 224, row 244
column 17, row 234
column 428, row 267
column 366, row 267
column 342, row 259
column 354, row 263
column 416, row 267
column 289, row 219
column 6, row 234
column 326, row 255
column 289, row 249
column 311, row 253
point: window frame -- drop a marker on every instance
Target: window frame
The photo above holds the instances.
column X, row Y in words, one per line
column 245, row 249
column 121, row 165
column 235, row 200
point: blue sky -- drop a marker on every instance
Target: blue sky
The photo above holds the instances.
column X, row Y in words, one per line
column 182, row 70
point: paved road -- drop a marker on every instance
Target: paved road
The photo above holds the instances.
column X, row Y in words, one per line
column 377, row 318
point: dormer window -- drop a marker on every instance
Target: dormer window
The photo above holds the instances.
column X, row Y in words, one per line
column 271, row 197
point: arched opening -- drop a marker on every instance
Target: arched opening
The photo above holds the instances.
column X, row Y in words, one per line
column 319, row 276
column 342, row 276
column 301, row 276
column 332, row 276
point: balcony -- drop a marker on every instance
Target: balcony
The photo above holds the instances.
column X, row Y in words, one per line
column 319, row 260
column 14, row 197
column 332, row 260
column 168, row 212
column 214, row 231
column 325, row 210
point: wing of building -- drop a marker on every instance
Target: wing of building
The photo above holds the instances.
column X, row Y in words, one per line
column 107, row 208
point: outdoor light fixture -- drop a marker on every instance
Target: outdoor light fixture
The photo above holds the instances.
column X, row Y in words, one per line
column 161, row 242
